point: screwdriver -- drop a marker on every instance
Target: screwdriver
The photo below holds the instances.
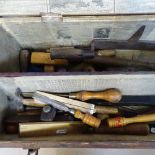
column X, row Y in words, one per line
column 111, row 95
column 122, row 121
column 86, row 118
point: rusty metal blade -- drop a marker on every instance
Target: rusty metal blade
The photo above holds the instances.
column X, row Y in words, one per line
column 137, row 35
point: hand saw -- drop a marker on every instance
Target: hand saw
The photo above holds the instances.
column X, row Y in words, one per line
column 74, row 104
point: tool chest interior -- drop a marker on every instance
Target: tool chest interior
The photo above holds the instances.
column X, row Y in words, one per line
column 29, row 26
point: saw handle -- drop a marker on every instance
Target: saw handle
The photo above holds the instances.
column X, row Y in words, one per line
column 88, row 119
column 110, row 95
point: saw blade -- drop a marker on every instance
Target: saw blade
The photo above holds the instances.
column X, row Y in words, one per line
column 82, row 106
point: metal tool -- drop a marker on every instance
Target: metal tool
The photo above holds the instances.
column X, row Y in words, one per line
column 82, row 106
column 132, row 43
column 48, row 113
column 123, row 44
column 71, row 53
column 33, row 151
column 86, row 118
column 87, row 53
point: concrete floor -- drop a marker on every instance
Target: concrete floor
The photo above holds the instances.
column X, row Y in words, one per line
column 51, row 151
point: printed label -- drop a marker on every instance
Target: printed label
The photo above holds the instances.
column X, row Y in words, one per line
column 101, row 33
column 61, row 131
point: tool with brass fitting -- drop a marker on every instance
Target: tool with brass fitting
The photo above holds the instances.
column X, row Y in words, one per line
column 86, row 118
column 122, row 121
column 74, row 104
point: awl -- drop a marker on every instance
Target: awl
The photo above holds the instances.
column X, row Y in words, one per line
column 112, row 95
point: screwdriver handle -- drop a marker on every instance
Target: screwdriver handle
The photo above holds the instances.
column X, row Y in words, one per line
column 45, row 58
column 110, row 95
column 106, row 110
column 122, row 121
column 87, row 119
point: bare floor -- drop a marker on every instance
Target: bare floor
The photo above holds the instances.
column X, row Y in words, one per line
column 52, row 151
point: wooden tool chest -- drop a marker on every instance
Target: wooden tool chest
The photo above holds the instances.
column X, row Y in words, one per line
column 45, row 24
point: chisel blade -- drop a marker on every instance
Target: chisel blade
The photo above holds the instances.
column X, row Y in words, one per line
column 55, row 104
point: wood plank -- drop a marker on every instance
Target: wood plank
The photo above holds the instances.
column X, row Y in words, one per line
column 128, row 83
column 79, row 141
column 33, row 33
column 135, row 6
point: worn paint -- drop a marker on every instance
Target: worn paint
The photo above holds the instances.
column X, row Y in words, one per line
column 9, row 52
column 51, row 34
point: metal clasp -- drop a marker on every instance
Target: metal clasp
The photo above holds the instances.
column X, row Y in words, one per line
column 33, row 151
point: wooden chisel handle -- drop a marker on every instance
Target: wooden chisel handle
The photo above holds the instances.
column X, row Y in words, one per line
column 122, row 121
column 110, row 95
column 106, row 110
column 88, row 119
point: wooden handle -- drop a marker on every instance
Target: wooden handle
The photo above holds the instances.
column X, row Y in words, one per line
column 110, row 95
column 122, row 121
column 31, row 102
column 131, row 129
column 44, row 58
column 106, row 110
column 87, row 119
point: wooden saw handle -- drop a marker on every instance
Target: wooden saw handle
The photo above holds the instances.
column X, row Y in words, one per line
column 32, row 102
column 106, row 110
column 44, row 58
column 110, row 95
column 122, row 121
column 88, row 119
